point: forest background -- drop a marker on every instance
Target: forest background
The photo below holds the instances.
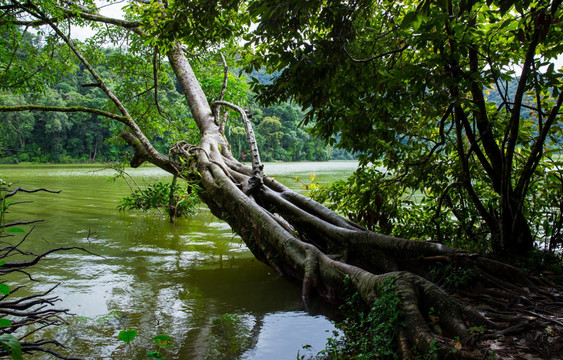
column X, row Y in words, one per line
column 67, row 137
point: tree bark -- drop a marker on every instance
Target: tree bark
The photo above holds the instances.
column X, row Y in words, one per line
column 304, row 241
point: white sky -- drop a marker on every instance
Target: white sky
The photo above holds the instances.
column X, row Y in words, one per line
column 112, row 8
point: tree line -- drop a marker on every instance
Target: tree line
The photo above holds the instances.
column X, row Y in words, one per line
column 78, row 137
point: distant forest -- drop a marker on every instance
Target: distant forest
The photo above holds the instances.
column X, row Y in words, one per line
column 79, row 137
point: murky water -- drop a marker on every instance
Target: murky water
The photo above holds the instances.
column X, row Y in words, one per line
column 193, row 280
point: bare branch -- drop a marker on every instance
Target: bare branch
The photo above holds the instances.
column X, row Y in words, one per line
column 22, row 264
column 155, row 76
column 18, row 223
column 256, row 164
column 220, row 120
column 225, row 77
column 18, row 189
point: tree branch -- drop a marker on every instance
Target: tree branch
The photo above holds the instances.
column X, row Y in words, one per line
column 217, row 110
column 19, row 189
column 494, row 175
column 484, row 125
column 536, row 153
column 155, row 78
column 376, row 56
column 256, row 164
column 513, row 127
column 71, row 13
column 127, row 119
column 466, row 177
column 437, row 144
column 107, row 114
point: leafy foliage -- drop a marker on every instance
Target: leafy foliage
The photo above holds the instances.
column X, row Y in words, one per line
column 161, row 341
column 429, row 91
column 201, row 24
column 148, row 89
column 176, row 200
column 127, row 335
column 11, row 344
column 368, row 335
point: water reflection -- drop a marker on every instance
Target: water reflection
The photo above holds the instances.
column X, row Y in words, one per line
column 179, row 279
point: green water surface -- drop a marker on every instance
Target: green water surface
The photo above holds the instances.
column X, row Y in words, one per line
column 194, row 280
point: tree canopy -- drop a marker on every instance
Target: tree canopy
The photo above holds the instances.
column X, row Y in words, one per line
column 459, row 102
column 80, row 137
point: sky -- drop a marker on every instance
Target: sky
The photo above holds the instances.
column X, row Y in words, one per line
column 112, row 8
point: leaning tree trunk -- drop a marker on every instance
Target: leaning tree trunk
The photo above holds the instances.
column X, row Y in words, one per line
column 304, row 241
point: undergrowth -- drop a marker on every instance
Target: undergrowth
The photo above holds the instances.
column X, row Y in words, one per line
column 370, row 334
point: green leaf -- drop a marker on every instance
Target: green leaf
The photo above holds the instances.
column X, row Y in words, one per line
column 163, row 340
column 154, row 355
column 127, row 335
column 5, row 323
column 15, row 230
column 4, row 289
column 408, row 19
column 12, row 346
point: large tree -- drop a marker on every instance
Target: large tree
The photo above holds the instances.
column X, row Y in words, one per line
column 459, row 101
column 328, row 255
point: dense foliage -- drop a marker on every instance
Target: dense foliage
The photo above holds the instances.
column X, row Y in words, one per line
column 458, row 104
column 176, row 201
column 370, row 334
column 65, row 137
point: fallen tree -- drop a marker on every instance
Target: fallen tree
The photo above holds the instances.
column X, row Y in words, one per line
column 330, row 256
column 310, row 244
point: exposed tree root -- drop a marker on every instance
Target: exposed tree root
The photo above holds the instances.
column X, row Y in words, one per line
column 304, row 241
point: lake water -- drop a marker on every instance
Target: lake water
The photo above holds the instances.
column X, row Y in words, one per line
column 193, row 280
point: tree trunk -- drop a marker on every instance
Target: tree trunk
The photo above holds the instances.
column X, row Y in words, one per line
column 304, row 241
column 516, row 236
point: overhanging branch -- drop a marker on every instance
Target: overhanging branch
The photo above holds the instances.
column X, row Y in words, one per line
column 70, row 109
column 127, row 119
column 71, row 13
